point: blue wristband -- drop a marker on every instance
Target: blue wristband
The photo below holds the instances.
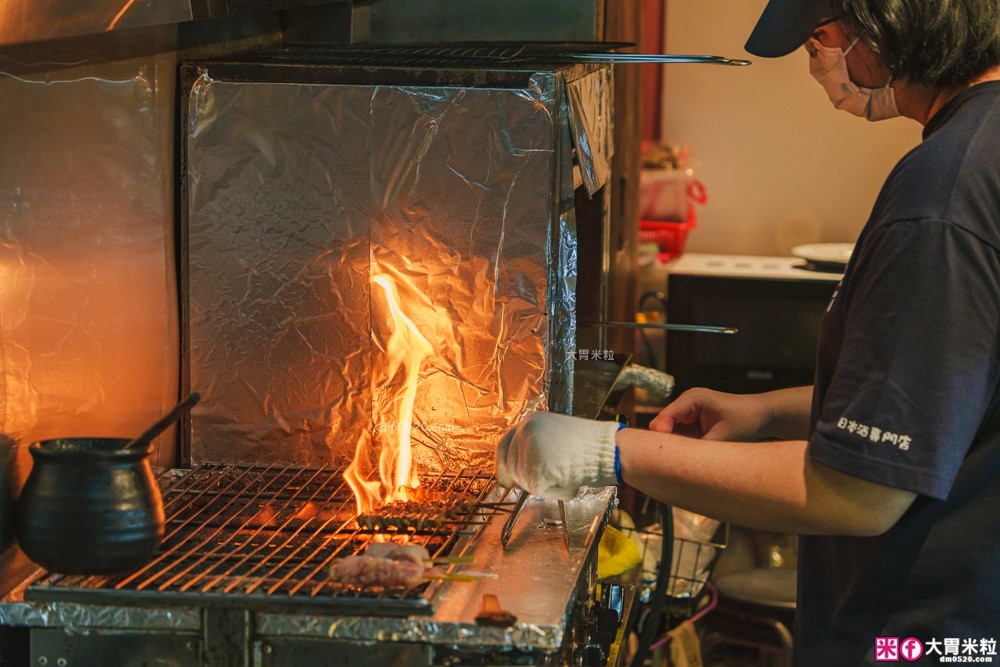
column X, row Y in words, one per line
column 618, row 460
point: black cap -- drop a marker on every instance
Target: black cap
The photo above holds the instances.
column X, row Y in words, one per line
column 784, row 26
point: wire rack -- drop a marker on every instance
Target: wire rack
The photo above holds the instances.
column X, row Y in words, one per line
column 696, row 546
column 263, row 537
column 674, row 580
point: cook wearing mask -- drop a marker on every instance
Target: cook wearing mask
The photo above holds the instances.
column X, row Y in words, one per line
column 888, row 467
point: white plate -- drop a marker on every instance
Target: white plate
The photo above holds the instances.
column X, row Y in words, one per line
column 825, row 253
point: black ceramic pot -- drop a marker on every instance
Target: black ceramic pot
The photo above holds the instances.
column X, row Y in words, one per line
column 89, row 506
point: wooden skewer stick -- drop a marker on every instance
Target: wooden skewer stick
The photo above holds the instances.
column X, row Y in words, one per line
column 453, row 560
column 455, row 577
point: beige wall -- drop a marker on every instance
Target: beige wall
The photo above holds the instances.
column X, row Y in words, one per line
column 781, row 166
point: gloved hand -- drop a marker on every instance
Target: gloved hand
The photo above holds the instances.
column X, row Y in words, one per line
column 552, row 455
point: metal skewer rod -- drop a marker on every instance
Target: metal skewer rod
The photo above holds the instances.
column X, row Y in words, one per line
column 695, row 328
column 665, row 58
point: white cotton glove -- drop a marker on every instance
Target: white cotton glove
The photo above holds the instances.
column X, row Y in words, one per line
column 552, row 455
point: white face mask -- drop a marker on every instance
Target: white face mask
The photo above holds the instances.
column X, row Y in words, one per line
column 829, row 67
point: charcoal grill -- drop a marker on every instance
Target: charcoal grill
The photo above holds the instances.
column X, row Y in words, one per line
column 241, row 577
column 263, row 537
column 241, row 580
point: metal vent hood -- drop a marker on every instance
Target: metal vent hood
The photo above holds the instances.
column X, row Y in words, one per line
column 23, row 21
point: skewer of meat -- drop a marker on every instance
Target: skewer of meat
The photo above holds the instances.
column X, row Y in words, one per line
column 384, row 564
column 417, row 516
column 372, row 571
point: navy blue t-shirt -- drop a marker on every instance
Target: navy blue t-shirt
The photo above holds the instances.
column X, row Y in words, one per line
column 906, row 395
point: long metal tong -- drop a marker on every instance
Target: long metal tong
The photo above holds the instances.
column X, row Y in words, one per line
column 662, row 326
column 508, row 527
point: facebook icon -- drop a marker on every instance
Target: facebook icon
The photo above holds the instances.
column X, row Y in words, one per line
column 911, row 649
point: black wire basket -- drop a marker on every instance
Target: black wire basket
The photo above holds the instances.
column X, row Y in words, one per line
column 679, row 553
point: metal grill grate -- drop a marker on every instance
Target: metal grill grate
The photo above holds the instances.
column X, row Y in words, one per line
column 263, row 537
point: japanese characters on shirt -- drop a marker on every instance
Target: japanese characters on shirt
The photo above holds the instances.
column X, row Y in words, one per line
column 875, row 434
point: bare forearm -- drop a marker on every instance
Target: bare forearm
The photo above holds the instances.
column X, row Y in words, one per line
column 766, row 485
column 789, row 412
column 715, row 415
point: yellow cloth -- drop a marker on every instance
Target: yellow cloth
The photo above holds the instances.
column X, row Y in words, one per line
column 685, row 648
column 616, row 553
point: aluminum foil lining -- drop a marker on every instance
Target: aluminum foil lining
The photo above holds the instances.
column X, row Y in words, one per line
column 562, row 359
column 587, row 126
column 659, row 384
column 88, row 302
column 298, row 194
column 86, row 618
column 414, row 630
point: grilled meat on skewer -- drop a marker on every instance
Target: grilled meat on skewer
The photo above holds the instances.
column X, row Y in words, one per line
column 416, row 516
column 372, row 571
column 384, row 564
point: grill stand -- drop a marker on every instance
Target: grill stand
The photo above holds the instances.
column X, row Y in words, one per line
column 547, row 587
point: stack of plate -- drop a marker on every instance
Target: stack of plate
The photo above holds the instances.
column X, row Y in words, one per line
column 826, row 257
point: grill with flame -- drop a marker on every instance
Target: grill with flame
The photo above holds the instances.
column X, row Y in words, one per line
column 264, row 536
column 377, row 278
column 269, row 533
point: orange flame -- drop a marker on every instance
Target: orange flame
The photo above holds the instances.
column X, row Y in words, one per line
column 406, row 350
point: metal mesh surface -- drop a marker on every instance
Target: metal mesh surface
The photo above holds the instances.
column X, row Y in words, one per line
column 263, row 537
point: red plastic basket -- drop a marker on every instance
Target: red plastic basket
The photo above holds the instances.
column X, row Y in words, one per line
column 670, row 237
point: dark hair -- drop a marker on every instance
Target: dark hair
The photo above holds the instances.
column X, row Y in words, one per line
column 939, row 43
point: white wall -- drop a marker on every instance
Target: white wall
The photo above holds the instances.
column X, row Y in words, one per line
column 781, row 166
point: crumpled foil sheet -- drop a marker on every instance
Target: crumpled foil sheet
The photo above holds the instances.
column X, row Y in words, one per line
column 299, row 193
column 659, row 384
column 84, row 618
column 415, row 630
column 89, row 336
